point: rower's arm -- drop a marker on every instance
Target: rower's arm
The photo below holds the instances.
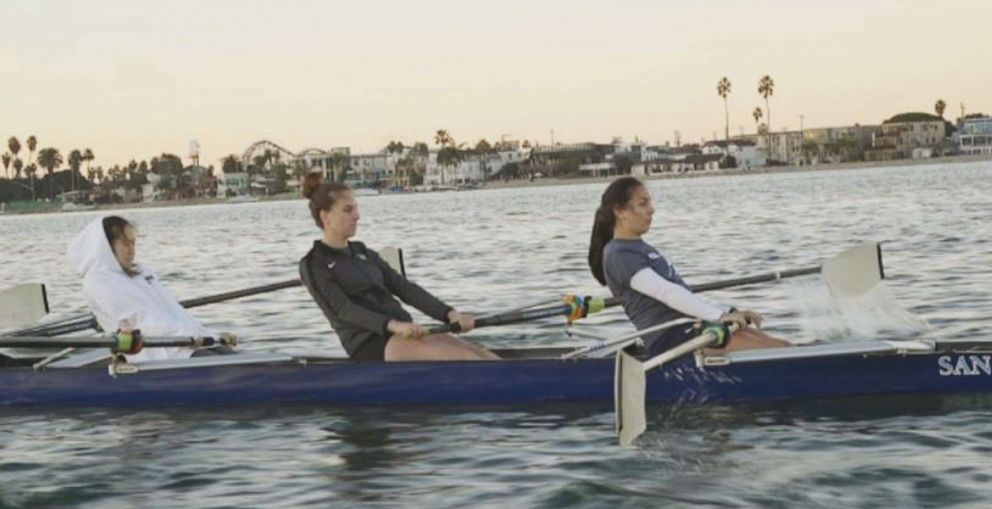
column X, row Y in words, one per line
column 677, row 297
column 412, row 293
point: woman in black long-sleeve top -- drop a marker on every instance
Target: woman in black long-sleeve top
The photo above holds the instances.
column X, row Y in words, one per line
column 357, row 290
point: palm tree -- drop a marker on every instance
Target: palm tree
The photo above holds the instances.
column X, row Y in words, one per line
column 75, row 161
column 6, row 164
column 18, row 164
column 30, row 170
column 939, row 107
column 88, row 157
column 442, row 138
column 448, row 156
column 230, row 164
column 32, row 144
column 766, row 87
column 723, row 90
column 49, row 159
column 483, row 147
column 757, row 114
column 14, row 146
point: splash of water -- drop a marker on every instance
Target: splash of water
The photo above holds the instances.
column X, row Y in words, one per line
column 873, row 315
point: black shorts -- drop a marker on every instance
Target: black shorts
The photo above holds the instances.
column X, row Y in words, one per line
column 669, row 338
column 372, row 349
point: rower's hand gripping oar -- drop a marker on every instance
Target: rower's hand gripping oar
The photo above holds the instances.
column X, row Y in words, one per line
column 852, row 272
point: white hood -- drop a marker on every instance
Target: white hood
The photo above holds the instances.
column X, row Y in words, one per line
column 91, row 250
column 119, row 300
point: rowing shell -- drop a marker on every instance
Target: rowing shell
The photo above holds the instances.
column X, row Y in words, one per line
column 524, row 376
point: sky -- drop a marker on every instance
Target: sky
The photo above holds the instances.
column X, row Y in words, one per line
column 132, row 79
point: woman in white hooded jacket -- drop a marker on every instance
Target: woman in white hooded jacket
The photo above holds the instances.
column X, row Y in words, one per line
column 124, row 295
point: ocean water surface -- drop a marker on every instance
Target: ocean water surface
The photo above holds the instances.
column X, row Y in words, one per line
column 490, row 250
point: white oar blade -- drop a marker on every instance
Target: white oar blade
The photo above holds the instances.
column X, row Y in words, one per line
column 628, row 398
column 22, row 304
column 394, row 257
column 854, row 271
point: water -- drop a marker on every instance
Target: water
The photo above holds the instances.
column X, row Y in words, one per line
column 491, row 250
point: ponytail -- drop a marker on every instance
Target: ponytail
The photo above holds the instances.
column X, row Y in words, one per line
column 617, row 195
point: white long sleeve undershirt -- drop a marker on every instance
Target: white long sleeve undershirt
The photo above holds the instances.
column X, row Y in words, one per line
column 677, row 297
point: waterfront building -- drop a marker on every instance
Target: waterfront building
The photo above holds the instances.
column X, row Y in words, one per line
column 329, row 162
column 507, row 154
column 229, row 184
column 897, row 140
column 470, row 170
column 367, row 170
column 785, row 147
column 975, row 136
column 678, row 163
column 566, row 159
column 745, row 152
column 150, row 190
column 839, row 144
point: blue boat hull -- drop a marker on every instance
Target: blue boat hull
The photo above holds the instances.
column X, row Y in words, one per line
column 497, row 383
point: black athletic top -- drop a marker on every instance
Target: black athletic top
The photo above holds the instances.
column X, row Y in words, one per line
column 357, row 292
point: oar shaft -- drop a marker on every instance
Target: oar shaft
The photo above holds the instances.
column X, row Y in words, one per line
column 761, row 278
column 700, row 341
column 103, row 342
column 518, row 316
column 86, row 322
column 237, row 294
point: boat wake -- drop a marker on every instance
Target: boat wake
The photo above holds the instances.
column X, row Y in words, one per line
column 873, row 315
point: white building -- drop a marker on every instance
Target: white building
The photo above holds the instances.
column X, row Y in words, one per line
column 746, row 153
column 975, row 136
column 496, row 161
column 231, row 184
column 150, row 190
column 468, row 171
column 784, row 147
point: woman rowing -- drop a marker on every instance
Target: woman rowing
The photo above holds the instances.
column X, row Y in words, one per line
column 647, row 284
column 357, row 290
column 125, row 295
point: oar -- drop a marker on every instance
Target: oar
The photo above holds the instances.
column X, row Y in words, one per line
column 852, row 272
column 117, row 342
column 85, row 322
column 630, row 383
column 22, row 304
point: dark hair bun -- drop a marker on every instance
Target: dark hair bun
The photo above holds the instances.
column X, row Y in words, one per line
column 311, row 183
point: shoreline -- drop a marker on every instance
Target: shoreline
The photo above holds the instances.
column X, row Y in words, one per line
column 764, row 170
column 549, row 181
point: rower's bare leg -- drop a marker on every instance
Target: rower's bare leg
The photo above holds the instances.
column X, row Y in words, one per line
column 752, row 339
column 436, row 347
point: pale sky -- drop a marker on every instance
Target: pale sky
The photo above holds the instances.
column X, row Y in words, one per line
column 135, row 78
